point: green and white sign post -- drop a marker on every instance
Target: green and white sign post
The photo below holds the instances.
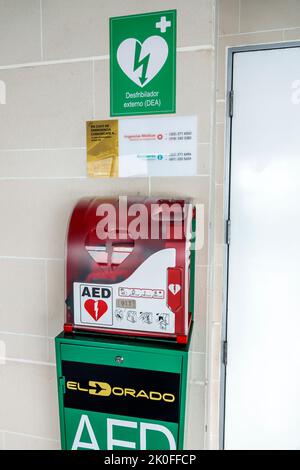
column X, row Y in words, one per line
column 143, row 64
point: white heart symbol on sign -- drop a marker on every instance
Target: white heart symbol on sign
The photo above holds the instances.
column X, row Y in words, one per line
column 174, row 288
column 141, row 62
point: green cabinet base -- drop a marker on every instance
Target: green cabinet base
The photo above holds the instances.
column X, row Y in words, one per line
column 118, row 394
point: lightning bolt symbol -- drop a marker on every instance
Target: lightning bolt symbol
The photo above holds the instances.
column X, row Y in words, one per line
column 96, row 308
column 138, row 62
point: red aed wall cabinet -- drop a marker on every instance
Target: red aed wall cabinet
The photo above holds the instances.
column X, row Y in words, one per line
column 130, row 270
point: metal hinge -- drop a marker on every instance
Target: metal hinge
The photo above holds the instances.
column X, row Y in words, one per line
column 62, row 384
column 230, row 103
column 224, row 353
column 228, row 232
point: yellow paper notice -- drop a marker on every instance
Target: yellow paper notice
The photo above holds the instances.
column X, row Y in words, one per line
column 102, row 148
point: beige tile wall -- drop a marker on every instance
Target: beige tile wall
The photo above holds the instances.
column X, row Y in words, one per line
column 17, row 441
column 42, row 175
column 67, row 22
column 240, row 22
column 21, row 29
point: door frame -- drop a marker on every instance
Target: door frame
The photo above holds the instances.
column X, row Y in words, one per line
column 229, row 101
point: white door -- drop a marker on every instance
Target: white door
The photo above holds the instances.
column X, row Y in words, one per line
column 262, row 394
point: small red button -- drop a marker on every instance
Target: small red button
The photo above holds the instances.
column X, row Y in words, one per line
column 68, row 328
column 174, row 288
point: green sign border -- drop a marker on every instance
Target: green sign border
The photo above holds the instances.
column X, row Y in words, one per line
column 173, row 94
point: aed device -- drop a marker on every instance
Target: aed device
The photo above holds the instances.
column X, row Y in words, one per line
column 130, row 268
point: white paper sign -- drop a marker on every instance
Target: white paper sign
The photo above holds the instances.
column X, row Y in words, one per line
column 165, row 146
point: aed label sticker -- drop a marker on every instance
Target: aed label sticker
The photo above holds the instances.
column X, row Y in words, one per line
column 96, row 304
column 103, row 306
column 101, row 431
column 122, row 391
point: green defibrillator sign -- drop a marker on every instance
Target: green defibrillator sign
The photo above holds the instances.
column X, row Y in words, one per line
column 143, row 64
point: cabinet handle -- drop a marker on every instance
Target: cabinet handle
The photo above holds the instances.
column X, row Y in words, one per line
column 119, row 359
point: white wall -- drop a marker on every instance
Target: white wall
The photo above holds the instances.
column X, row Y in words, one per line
column 240, row 22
